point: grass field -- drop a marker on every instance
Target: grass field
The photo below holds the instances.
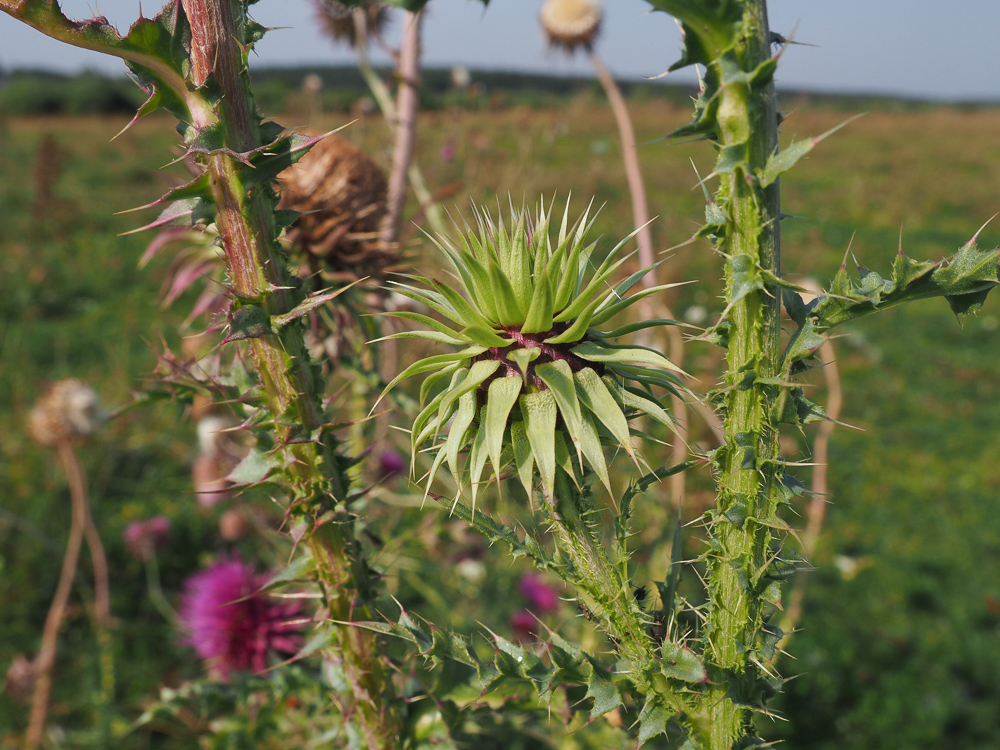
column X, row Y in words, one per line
column 898, row 644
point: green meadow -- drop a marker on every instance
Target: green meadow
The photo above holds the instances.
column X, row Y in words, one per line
column 899, row 643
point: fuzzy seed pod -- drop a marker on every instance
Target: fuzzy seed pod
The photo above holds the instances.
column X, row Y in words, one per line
column 571, row 23
column 338, row 22
column 234, row 525
column 341, row 194
column 20, row 681
column 68, row 410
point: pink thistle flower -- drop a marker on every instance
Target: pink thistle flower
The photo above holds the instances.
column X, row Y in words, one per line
column 231, row 624
column 540, row 597
column 524, row 625
column 391, row 463
column 144, row 538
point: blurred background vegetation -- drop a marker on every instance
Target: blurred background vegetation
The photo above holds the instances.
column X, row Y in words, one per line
column 898, row 645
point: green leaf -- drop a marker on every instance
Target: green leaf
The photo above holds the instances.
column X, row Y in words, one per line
column 628, row 355
column 523, row 457
column 539, row 316
column 648, row 407
column 477, row 461
column 467, row 313
column 593, row 451
column 426, row 320
column 479, row 372
column 539, row 412
column 523, row 357
column 595, row 396
column 494, row 531
column 652, row 720
column 559, row 378
column 248, row 322
column 254, row 468
column 308, row 305
column 745, row 277
column 681, row 663
column 460, row 425
column 486, row 337
column 428, row 364
column 509, row 310
column 782, row 161
column 500, row 399
column 604, row 692
column 607, row 311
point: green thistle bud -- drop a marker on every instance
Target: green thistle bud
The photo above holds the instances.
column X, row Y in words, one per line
column 535, row 382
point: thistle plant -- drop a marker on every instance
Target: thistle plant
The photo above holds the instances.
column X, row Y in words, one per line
column 192, row 60
column 536, row 381
column 535, row 386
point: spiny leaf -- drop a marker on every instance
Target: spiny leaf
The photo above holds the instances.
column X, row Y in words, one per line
column 782, row 161
column 595, row 396
column 681, row 663
column 524, row 459
column 629, row 355
column 652, row 720
column 500, row 399
column 539, row 411
column 460, row 425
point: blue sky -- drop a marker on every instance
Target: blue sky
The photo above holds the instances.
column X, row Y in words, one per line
column 909, row 47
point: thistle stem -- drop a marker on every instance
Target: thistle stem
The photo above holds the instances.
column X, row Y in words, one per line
column 609, row 596
column 245, row 217
column 748, row 470
column 46, row 659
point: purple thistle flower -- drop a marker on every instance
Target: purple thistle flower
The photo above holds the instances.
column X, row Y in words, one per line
column 144, row 538
column 540, row 597
column 231, row 624
column 392, row 463
column 524, row 625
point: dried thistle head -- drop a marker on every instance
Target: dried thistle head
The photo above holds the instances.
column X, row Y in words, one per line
column 535, row 382
column 67, row 411
column 341, row 193
column 571, row 23
column 338, row 20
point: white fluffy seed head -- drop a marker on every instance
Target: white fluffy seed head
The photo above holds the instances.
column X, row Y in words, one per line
column 571, row 23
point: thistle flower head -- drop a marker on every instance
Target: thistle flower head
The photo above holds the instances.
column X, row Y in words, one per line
column 231, row 624
column 571, row 23
column 68, row 410
column 338, row 19
column 534, row 382
column 340, row 193
column 144, row 538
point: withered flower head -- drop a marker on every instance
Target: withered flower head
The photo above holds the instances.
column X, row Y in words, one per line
column 341, row 193
column 338, row 21
column 66, row 411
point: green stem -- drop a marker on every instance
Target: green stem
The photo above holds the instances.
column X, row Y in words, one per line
column 748, row 471
column 608, row 594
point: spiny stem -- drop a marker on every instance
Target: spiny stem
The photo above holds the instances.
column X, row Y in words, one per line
column 747, row 114
column 247, row 227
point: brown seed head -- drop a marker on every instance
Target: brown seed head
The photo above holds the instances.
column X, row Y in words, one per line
column 571, row 23
column 338, row 20
column 341, row 193
column 66, row 411
column 20, row 681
